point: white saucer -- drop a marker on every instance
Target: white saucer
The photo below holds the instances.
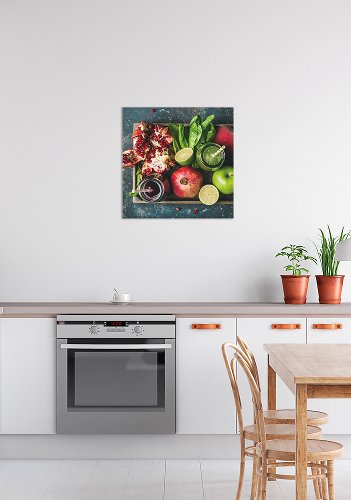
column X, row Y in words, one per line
column 120, row 302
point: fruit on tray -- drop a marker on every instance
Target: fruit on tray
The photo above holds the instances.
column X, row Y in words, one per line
column 157, row 162
column 130, row 158
column 185, row 157
column 152, row 144
column 208, row 194
column 149, row 135
column 223, row 179
column 173, row 152
column 225, row 137
column 186, row 182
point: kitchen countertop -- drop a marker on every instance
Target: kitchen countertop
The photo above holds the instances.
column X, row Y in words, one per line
column 180, row 309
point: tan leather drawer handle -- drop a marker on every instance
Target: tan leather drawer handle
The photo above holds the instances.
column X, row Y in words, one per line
column 327, row 326
column 206, row 326
column 286, row 326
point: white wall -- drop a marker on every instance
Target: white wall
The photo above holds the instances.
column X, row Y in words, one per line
column 67, row 69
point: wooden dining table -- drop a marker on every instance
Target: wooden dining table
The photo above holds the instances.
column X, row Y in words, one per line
column 309, row 371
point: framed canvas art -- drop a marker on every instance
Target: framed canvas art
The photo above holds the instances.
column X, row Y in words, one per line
column 178, row 163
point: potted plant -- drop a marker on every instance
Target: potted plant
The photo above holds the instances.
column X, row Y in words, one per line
column 295, row 285
column 330, row 282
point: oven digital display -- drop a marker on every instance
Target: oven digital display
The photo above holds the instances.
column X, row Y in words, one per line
column 115, row 323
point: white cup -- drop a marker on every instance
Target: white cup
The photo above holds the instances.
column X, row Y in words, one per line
column 121, row 297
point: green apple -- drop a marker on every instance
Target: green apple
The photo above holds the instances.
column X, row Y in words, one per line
column 223, row 179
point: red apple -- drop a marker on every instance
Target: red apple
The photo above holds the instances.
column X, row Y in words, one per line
column 186, row 182
column 225, row 137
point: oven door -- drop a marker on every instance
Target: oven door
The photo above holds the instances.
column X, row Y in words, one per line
column 108, row 386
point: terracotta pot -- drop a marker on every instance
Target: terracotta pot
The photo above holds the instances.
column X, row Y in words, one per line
column 295, row 288
column 329, row 289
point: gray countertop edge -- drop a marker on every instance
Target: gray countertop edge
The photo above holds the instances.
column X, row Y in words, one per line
column 180, row 309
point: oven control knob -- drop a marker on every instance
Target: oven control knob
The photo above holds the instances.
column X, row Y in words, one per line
column 138, row 329
column 94, row 329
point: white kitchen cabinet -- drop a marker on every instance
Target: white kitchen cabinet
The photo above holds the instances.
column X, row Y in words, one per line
column 204, row 402
column 27, row 376
column 259, row 331
column 337, row 409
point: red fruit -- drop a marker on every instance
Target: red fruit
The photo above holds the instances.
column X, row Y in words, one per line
column 186, row 182
column 130, row 158
column 225, row 137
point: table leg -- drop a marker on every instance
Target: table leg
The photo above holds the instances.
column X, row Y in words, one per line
column 272, row 388
column 301, row 441
column 272, row 404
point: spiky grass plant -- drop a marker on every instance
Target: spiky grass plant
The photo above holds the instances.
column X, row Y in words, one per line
column 326, row 250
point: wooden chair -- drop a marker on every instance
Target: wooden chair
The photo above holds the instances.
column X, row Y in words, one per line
column 320, row 453
column 283, row 416
column 250, row 432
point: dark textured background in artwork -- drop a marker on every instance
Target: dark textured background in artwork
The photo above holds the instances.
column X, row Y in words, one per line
column 160, row 210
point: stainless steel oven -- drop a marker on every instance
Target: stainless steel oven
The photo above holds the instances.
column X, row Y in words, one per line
column 116, row 374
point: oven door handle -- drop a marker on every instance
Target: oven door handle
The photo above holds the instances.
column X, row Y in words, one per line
column 104, row 347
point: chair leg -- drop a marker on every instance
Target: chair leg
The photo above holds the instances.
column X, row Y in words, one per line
column 264, row 479
column 320, row 482
column 259, row 485
column 242, row 472
column 259, row 479
column 324, row 485
column 254, row 478
column 316, row 483
column 330, row 466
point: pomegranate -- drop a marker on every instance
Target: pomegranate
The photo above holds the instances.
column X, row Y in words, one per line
column 158, row 162
column 130, row 158
column 151, row 143
column 186, row 182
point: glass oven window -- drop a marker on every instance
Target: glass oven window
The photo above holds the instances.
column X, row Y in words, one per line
column 116, row 379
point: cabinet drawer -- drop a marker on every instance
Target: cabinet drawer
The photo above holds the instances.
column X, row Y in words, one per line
column 204, row 398
column 331, row 331
column 257, row 332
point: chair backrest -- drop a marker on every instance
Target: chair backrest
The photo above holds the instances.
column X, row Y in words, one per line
column 230, row 365
column 245, row 348
column 256, row 397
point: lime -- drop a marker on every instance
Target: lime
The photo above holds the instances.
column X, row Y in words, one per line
column 208, row 194
column 185, row 157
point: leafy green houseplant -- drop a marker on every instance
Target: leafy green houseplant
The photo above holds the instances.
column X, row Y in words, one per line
column 295, row 285
column 330, row 282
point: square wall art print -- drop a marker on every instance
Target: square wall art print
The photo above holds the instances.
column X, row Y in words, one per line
column 178, row 163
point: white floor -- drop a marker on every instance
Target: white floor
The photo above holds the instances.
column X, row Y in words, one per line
column 139, row 480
